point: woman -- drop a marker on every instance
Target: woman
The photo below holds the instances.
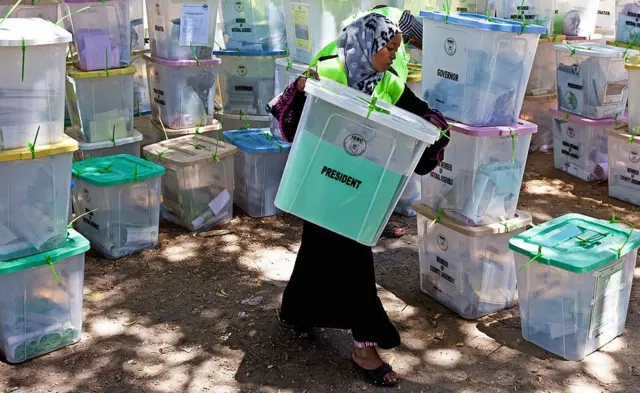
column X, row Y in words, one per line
column 333, row 283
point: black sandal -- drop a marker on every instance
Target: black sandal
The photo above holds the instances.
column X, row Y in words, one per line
column 376, row 377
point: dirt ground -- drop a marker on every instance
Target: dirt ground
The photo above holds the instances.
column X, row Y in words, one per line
column 199, row 315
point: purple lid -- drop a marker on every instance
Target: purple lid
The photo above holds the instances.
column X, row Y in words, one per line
column 585, row 120
column 521, row 127
column 184, row 63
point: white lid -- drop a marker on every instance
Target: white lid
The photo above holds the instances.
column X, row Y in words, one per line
column 34, row 31
column 594, row 49
column 86, row 146
column 356, row 102
column 296, row 68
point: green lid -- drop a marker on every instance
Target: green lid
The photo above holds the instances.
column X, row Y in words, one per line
column 115, row 170
column 75, row 245
column 576, row 243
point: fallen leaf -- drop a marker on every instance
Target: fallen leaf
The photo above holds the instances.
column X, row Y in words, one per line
column 460, row 344
column 219, row 232
column 437, row 316
column 94, row 296
column 222, row 293
column 474, row 380
column 254, row 301
column 129, row 322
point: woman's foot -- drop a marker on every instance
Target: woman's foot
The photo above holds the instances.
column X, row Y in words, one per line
column 393, row 231
column 377, row 371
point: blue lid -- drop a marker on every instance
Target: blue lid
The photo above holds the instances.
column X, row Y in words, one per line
column 251, row 53
column 255, row 141
column 481, row 22
column 73, row 185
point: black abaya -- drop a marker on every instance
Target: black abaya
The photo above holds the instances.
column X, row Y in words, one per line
column 333, row 282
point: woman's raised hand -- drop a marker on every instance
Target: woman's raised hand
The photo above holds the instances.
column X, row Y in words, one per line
column 302, row 81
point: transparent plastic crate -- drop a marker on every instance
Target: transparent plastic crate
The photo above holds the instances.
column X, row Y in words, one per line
column 136, row 23
column 247, row 81
column 287, row 72
column 633, row 69
column 141, row 95
column 580, row 145
column 414, row 79
column 574, row 296
column 536, row 12
column 34, row 198
column 624, row 165
column 470, row 270
column 576, row 17
column 410, row 195
column 254, row 25
column 346, row 172
column 154, row 132
column 484, row 187
column 415, row 6
column 73, row 187
column 125, row 190
column 243, row 122
column 41, row 312
column 101, row 106
column 465, row 64
column 128, row 145
column 592, row 80
column 101, row 33
column 31, row 93
column 536, row 111
column 606, row 19
column 169, row 41
column 313, row 24
column 43, row 9
column 197, row 189
column 628, row 21
column 183, row 92
column 259, row 165
column 542, row 80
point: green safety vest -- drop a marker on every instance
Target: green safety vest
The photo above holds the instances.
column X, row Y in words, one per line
column 391, row 87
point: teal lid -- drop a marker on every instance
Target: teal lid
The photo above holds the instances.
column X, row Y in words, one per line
column 115, row 170
column 76, row 244
column 576, row 243
column 255, row 141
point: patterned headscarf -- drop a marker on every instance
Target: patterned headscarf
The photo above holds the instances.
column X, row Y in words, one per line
column 357, row 44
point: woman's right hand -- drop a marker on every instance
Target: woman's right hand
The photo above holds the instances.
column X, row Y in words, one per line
column 302, row 81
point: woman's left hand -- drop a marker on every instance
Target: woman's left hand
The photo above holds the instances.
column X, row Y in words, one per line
column 302, row 81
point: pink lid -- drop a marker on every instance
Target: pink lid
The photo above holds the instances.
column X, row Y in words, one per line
column 521, row 127
column 184, row 63
column 585, row 120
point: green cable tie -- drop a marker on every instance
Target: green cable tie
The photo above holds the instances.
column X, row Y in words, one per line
column 194, row 54
column 504, row 223
column 438, row 216
column 513, row 146
column 535, row 258
column 373, row 107
column 24, row 50
column 632, row 137
column 135, row 172
column 446, row 7
column 32, row 146
column 113, row 136
column 53, row 269
column 106, row 59
column 10, row 11
column 70, row 224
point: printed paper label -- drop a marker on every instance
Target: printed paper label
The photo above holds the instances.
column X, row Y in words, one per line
column 610, row 284
column 301, row 30
column 194, row 24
